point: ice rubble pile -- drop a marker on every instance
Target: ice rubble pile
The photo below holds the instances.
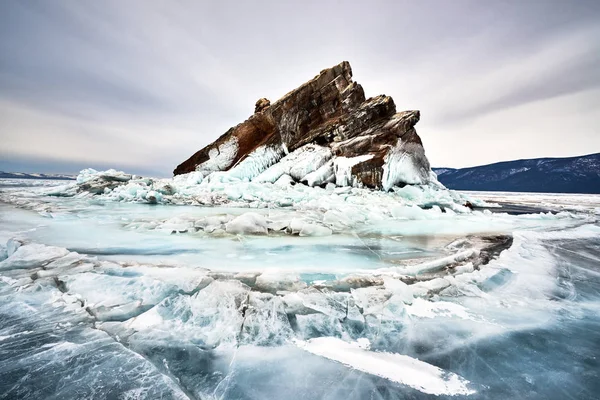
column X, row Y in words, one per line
column 209, row 308
column 318, row 211
column 323, row 132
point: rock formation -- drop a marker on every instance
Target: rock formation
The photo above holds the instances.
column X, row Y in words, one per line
column 323, row 132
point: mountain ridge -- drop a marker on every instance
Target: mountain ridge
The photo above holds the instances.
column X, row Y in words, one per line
column 25, row 175
column 578, row 174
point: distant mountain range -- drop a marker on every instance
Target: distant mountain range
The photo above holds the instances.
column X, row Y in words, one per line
column 545, row 175
column 22, row 175
column 550, row 175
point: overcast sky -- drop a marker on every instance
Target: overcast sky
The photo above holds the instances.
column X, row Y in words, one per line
column 141, row 85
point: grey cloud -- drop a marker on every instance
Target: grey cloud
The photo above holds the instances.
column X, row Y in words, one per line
column 159, row 79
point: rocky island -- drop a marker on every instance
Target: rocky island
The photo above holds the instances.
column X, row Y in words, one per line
column 323, row 132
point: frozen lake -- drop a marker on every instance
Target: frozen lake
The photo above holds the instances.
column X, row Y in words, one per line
column 295, row 292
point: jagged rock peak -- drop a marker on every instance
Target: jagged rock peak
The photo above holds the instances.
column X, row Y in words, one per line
column 261, row 104
column 323, row 132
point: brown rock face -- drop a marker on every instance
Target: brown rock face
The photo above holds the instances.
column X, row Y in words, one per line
column 369, row 143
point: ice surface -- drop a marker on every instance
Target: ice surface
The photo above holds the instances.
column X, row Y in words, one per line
column 106, row 295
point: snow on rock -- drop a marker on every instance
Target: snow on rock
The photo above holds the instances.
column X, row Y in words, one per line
column 342, row 167
column 219, row 158
column 405, row 164
column 298, row 164
column 256, row 162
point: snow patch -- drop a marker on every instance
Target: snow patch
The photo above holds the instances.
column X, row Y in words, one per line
column 398, row 368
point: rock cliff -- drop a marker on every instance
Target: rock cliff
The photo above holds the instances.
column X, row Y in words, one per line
column 325, row 131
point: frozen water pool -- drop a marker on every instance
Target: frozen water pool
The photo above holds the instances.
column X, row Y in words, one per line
column 391, row 297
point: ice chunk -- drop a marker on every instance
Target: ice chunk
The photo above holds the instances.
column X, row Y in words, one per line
column 248, row 223
column 317, row 325
column 463, row 269
column 355, row 282
column 314, row 230
column 179, row 278
column 408, row 212
column 295, row 225
column 90, row 174
column 399, row 289
column 265, row 321
column 11, row 246
column 273, row 281
column 175, row 224
column 191, row 178
column 324, row 303
column 117, row 297
column 337, row 220
column 32, row 256
column 211, row 317
column 323, row 175
column 371, row 299
column 440, row 263
column 284, row 180
column 421, row 289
